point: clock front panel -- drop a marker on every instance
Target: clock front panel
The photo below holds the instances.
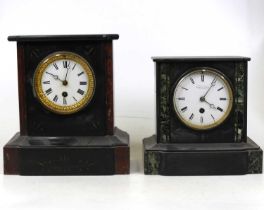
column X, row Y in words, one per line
column 198, row 102
column 66, row 88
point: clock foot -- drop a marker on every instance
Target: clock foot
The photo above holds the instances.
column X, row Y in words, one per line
column 201, row 159
column 88, row 155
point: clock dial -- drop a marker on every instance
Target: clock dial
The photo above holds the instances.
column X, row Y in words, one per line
column 64, row 82
column 203, row 98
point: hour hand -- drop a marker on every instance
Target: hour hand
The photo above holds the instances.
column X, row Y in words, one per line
column 212, row 106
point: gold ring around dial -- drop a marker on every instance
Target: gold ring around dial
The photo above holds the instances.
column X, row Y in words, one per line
column 43, row 98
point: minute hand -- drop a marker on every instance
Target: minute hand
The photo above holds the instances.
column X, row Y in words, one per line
column 56, row 77
column 66, row 73
column 212, row 84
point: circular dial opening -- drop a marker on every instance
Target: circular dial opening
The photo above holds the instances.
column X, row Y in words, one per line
column 203, row 98
column 64, row 82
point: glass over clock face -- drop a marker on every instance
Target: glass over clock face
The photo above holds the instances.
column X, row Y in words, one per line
column 203, row 98
column 64, row 82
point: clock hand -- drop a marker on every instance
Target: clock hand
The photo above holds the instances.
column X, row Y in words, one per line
column 202, row 99
column 212, row 106
column 56, row 77
column 66, row 74
column 212, row 84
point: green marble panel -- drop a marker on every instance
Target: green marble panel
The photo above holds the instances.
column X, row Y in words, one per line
column 240, row 99
column 151, row 162
column 255, row 161
column 164, row 103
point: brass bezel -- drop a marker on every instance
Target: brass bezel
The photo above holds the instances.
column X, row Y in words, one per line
column 40, row 93
column 230, row 91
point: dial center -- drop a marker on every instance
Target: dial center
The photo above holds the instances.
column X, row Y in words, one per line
column 65, row 82
column 202, row 99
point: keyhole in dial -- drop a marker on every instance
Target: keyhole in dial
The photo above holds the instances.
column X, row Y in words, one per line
column 64, row 94
column 201, row 110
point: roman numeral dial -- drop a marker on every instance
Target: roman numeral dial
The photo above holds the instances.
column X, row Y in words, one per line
column 203, row 98
column 64, row 83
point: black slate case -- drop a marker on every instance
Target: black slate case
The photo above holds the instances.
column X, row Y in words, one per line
column 83, row 143
column 179, row 150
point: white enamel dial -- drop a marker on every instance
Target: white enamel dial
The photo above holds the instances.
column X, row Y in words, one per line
column 203, row 99
column 64, row 82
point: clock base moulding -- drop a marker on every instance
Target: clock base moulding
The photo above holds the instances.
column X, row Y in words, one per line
column 201, row 159
column 89, row 155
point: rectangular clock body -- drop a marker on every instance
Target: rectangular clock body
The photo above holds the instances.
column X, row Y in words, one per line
column 170, row 129
column 66, row 108
column 96, row 118
column 201, row 107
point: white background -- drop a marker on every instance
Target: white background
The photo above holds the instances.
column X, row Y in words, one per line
column 146, row 28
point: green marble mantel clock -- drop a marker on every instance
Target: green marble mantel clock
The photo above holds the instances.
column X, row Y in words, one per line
column 66, row 108
column 201, row 118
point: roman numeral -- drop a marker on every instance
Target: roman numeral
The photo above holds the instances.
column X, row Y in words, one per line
column 222, row 99
column 213, row 117
column 202, row 77
column 184, row 88
column 46, row 82
column 55, row 66
column 184, row 109
column 191, row 117
column 220, row 109
column 83, row 83
column 80, row 73
column 66, row 64
column 192, row 80
column 220, row 88
column 181, row 98
column 74, row 98
column 64, row 101
column 49, row 91
column 201, row 119
column 74, row 66
column 80, row 91
column 55, row 99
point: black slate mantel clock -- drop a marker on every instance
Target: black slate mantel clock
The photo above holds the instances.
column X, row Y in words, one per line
column 201, row 118
column 66, row 108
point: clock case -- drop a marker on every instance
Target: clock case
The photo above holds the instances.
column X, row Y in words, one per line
column 179, row 150
column 83, row 143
